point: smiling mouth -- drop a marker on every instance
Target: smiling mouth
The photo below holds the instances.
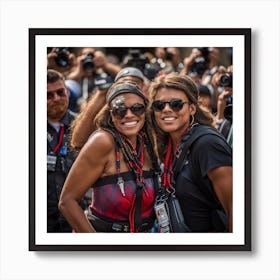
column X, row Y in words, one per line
column 167, row 119
column 130, row 123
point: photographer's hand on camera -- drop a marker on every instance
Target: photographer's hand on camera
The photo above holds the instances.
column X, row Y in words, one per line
column 188, row 61
column 52, row 56
column 92, row 62
column 222, row 103
column 101, row 61
column 215, row 81
column 78, row 72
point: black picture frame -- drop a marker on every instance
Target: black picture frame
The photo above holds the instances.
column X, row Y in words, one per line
column 240, row 34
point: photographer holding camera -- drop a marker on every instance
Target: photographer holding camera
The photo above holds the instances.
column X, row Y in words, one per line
column 93, row 70
column 202, row 64
column 195, row 64
column 61, row 60
column 171, row 57
column 224, row 79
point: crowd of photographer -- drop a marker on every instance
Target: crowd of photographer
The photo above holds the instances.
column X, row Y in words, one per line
column 87, row 70
column 88, row 73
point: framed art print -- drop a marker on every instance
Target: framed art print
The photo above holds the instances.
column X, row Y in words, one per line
column 235, row 47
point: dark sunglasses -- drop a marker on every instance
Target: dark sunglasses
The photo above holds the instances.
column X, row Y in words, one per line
column 137, row 109
column 60, row 92
column 175, row 104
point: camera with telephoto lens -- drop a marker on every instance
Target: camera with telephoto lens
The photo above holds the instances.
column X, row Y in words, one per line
column 88, row 63
column 226, row 80
column 62, row 59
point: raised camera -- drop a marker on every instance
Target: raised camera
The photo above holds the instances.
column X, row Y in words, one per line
column 62, row 59
column 200, row 64
column 168, row 55
column 88, row 63
column 152, row 68
column 103, row 80
column 226, row 80
column 136, row 59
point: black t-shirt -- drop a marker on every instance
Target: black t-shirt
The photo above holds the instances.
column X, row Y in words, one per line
column 207, row 153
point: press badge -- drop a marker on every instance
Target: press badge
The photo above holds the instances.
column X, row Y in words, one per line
column 63, row 150
column 51, row 162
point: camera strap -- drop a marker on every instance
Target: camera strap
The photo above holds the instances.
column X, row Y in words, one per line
column 188, row 140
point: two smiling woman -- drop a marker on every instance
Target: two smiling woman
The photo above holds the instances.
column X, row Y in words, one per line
column 120, row 163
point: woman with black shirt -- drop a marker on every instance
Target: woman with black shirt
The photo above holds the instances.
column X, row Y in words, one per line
column 203, row 181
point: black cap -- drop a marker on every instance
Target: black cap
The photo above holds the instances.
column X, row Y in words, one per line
column 124, row 87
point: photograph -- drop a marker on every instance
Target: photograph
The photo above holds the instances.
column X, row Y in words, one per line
column 146, row 146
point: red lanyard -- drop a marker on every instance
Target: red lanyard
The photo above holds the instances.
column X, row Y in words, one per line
column 61, row 133
column 168, row 162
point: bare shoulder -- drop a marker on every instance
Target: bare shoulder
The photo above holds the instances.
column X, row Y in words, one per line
column 100, row 139
column 95, row 156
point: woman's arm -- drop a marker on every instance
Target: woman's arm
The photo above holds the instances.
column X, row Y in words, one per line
column 221, row 178
column 87, row 169
column 82, row 127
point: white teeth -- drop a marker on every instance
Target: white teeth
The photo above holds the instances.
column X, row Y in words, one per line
column 169, row 119
column 130, row 123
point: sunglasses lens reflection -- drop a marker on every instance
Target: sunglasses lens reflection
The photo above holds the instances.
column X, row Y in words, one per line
column 175, row 104
column 137, row 109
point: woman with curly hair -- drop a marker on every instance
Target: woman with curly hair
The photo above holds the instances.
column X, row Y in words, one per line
column 119, row 163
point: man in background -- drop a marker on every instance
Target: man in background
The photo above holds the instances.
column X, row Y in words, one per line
column 59, row 156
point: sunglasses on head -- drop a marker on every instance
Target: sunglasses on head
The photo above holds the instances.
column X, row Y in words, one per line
column 137, row 109
column 60, row 92
column 175, row 104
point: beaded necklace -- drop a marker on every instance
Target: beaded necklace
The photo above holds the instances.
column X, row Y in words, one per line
column 134, row 158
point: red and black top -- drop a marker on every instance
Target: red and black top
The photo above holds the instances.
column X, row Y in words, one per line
column 109, row 204
column 127, row 197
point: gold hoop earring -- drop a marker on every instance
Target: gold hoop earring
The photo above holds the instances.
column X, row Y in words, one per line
column 192, row 122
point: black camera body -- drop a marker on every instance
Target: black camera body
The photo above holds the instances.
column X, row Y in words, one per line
column 88, row 63
column 152, row 68
column 168, row 55
column 228, row 112
column 200, row 64
column 62, row 59
column 226, row 80
column 103, row 80
column 136, row 59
